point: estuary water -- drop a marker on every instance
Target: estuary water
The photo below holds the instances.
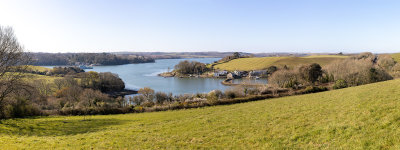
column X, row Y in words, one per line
column 137, row 76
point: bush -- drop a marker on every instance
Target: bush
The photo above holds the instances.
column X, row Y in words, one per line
column 161, row 97
column 314, row 89
column 148, row 104
column 396, row 70
column 357, row 71
column 18, row 108
column 271, row 69
column 230, row 94
column 386, row 62
column 310, row 73
column 285, row 78
column 213, row 97
column 326, row 78
column 138, row 109
column 340, row 84
column 234, row 93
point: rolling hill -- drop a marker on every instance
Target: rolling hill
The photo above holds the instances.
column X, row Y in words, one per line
column 257, row 63
column 363, row 117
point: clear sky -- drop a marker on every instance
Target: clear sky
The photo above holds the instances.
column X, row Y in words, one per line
column 204, row 25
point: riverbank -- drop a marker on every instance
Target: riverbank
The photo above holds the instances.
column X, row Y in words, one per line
column 122, row 93
column 147, row 75
column 174, row 74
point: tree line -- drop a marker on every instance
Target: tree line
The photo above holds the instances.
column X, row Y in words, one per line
column 54, row 59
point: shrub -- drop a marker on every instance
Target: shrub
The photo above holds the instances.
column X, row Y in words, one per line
column 138, row 109
column 386, row 62
column 357, row 71
column 326, row 78
column 368, row 56
column 396, row 70
column 230, row 94
column 378, row 74
column 234, row 92
column 310, row 73
column 93, row 98
column 213, row 97
column 161, row 97
column 19, row 107
column 148, row 104
column 285, row 78
column 314, row 89
column 340, row 84
column 271, row 69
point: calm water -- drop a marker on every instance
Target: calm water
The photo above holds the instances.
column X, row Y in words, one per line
column 138, row 76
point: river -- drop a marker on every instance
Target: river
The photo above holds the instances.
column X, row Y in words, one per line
column 137, row 76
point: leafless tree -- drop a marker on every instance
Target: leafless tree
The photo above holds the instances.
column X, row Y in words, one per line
column 13, row 61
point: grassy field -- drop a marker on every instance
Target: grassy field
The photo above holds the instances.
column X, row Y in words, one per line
column 38, row 68
column 31, row 77
column 257, row 63
column 396, row 57
column 248, row 63
column 364, row 117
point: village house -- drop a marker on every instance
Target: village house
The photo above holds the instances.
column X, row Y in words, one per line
column 220, row 73
column 257, row 73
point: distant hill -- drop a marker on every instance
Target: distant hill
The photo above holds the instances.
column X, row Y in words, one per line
column 53, row 59
column 167, row 55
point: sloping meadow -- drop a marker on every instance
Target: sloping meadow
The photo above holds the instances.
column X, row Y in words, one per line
column 363, row 117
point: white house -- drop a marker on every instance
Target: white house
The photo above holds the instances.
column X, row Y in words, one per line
column 220, row 73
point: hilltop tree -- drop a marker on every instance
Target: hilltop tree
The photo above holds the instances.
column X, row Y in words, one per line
column 236, row 55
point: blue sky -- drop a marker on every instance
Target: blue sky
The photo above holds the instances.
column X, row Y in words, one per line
column 204, row 25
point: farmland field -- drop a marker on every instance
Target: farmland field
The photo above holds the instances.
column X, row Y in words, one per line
column 257, row 63
column 396, row 57
column 363, row 117
column 38, row 68
column 248, row 63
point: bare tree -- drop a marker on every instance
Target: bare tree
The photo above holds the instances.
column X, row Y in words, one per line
column 148, row 93
column 13, row 62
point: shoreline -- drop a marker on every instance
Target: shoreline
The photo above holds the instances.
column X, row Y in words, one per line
column 122, row 93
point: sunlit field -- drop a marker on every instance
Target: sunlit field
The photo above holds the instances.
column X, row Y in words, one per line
column 363, row 117
column 396, row 57
column 257, row 63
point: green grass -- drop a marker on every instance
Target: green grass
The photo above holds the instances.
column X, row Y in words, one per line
column 364, row 117
column 253, row 63
column 38, row 68
column 48, row 79
column 396, row 57
column 257, row 63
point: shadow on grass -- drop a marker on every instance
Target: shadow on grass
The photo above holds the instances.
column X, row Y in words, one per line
column 57, row 127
